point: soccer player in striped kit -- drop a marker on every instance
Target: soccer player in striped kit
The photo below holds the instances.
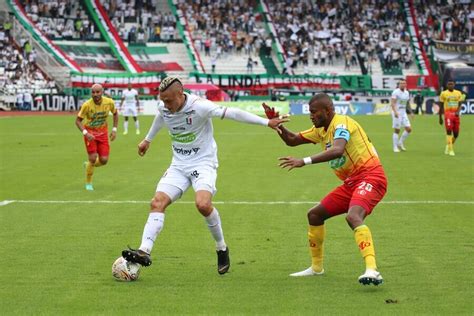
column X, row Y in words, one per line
column 354, row 160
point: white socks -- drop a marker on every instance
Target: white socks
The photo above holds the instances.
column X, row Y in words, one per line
column 404, row 137
column 215, row 227
column 125, row 126
column 153, row 227
column 137, row 125
column 395, row 140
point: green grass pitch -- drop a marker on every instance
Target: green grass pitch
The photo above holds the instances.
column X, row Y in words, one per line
column 56, row 256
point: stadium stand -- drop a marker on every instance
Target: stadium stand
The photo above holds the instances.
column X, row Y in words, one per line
column 354, row 38
column 64, row 19
column 227, row 36
column 444, row 21
column 190, row 39
column 142, row 22
column 19, row 73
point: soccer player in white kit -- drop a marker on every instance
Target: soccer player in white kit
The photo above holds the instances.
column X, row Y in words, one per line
column 400, row 103
column 132, row 104
column 188, row 119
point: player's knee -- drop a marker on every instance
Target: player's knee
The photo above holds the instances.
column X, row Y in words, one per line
column 354, row 219
column 314, row 218
column 408, row 129
column 158, row 203
column 204, row 205
column 103, row 161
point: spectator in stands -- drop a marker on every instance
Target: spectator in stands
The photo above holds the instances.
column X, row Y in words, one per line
column 250, row 65
column 27, row 100
column 19, row 100
column 213, row 63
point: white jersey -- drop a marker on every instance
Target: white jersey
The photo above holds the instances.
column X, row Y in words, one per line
column 191, row 130
column 130, row 97
column 402, row 97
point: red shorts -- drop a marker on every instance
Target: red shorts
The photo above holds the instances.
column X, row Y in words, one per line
column 366, row 190
column 99, row 145
column 451, row 122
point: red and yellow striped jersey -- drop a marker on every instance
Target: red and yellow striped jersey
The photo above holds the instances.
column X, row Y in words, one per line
column 95, row 115
column 359, row 154
column 451, row 100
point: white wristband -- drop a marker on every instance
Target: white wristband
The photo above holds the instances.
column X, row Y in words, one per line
column 84, row 132
column 307, row 160
column 114, row 129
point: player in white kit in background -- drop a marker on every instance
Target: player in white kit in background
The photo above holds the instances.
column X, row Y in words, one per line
column 188, row 119
column 132, row 105
column 400, row 103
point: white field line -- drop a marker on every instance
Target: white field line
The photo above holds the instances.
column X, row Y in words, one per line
column 6, row 202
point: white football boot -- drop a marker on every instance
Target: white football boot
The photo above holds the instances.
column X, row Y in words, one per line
column 371, row 277
column 307, row 272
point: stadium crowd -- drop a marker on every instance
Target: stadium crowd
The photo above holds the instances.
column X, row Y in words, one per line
column 444, row 22
column 224, row 27
column 342, row 32
column 61, row 19
column 140, row 21
column 19, row 74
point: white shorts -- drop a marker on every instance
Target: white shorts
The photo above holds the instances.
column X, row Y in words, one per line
column 178, row 179
column 130, row 111
column 401, row 121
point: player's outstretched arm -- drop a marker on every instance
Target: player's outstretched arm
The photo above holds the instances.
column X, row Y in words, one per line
column 332, row 153
column 291, row 139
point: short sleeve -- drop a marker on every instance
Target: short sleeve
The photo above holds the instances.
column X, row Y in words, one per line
column 311, row 135
column 83, row 111
column 441, row 97
column 394, row 94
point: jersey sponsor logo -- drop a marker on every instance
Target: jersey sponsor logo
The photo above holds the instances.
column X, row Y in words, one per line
column 97, row 119
column 338, row 162
column 179, row 128
column 185, row 152
column 183, row 138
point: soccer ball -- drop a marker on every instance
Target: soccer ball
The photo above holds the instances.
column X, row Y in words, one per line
column 122, row 270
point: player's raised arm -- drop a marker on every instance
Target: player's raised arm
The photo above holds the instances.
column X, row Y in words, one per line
column 290, row 138
column 246, row 117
